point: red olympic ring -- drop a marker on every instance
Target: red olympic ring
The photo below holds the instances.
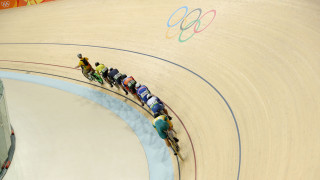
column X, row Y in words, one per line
column 196, row 23
column 194, row 29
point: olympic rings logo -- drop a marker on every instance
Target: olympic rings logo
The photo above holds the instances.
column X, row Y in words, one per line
column 183, row 25
column 5, row 4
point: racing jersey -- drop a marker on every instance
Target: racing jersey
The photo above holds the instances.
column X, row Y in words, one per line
column 129, row 82
column 161, row 124
column 153, row 101
column 142, row 92
column 115, row 74
column 101, row 69
column 84, row 63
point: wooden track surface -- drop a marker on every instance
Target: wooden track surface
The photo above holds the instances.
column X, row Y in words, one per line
column 246, row 88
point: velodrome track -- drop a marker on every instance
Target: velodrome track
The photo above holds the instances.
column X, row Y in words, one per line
column 245, row 89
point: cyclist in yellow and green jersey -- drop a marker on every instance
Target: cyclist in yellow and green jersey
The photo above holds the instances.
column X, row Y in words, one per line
column 85, row 66
column 103, row 72
column 161, row 123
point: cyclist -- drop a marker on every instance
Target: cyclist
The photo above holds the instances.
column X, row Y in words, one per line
column 156, row 105
column 115, row 76
column 103, row 71
column 142, row 92
column 130, row 84
column 162, row 124
column 85, row 66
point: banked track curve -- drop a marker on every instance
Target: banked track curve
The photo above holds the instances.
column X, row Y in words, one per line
column 64, row 77
column 156, row 58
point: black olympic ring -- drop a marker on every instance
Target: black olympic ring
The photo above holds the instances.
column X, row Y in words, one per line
column 185, row 28
column 196, row 22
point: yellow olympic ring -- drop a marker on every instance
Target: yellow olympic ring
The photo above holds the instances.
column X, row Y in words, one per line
column 184, row 23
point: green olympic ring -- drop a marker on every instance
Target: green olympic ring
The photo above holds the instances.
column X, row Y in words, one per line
column 197, row 27
column 196, row 22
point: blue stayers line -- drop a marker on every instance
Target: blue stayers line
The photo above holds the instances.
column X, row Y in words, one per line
column 215, row 89
column 159, row 160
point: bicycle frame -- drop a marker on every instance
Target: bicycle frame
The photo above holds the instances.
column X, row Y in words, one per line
column 174, row 145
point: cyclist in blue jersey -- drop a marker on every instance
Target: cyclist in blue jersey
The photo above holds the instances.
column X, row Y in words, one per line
column 142, row 92
column 115, row 76
column 156, row 105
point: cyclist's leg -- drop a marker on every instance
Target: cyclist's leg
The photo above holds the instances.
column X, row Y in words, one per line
column 85, row 72
column 118, row 81
column 92, row 75
column 137, row 97
column 134, row 93
column 117, row 85
column 105, row 77
column 170, row 130
column 91, row 71
column 168, row 143
column 95, row 76
column 166, row 112
column 113, row 81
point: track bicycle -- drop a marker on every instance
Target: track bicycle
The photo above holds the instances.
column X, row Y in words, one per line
column 174, row 144
column 113, row 82
column 94, row 76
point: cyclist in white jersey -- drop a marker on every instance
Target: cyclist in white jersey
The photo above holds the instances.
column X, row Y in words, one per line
column 156, row 105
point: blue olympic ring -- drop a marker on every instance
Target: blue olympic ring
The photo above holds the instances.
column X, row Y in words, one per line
column 196, row 23
column 185, row 7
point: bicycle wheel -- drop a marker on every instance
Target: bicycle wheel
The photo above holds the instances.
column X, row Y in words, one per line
column 176, row 148
column 174, row 145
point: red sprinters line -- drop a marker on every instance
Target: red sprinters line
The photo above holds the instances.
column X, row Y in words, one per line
column 194, row 154
column 38, row 63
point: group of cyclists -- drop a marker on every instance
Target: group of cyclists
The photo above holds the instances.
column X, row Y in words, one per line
column 162, row 120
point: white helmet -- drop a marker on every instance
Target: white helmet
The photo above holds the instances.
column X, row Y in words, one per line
column 138, row 85
column 149, row 96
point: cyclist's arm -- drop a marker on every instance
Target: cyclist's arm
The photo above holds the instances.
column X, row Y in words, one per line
column 98, row 71
column 139, row 95
column 154, row 127
column 123, row 83
column 79, row 64
column 169, row 122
